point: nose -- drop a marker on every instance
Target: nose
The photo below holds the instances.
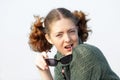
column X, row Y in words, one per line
column 67, row 38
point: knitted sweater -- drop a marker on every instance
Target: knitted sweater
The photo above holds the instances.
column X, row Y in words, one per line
column 88, row 63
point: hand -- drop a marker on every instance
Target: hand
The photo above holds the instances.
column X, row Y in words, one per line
column 40, row 61
column 42, row 66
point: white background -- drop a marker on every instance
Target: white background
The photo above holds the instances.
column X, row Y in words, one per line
column 16, row 16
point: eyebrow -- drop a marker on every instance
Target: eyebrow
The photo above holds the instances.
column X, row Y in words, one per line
column 62, row 31
column 72, row 29
column 58, row 32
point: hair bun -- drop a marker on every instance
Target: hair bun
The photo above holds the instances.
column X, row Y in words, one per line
column 38, row 22
column 80, row 15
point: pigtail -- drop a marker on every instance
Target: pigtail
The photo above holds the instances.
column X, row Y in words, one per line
column 82, row 25
column 37, row 40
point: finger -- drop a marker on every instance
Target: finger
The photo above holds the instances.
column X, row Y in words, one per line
column 40, row 62
column 44, row 54
column 40, row 65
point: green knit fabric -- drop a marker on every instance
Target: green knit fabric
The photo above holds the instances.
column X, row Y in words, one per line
column 88, row 63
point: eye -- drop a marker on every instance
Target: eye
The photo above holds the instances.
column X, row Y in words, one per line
column 58, row 35
column 72, row 31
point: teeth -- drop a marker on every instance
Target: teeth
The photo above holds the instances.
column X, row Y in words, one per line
column 68, row 46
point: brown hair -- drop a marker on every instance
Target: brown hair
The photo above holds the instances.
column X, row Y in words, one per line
column 37, row 40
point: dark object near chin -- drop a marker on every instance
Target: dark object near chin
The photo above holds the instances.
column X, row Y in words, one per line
column 63, row 60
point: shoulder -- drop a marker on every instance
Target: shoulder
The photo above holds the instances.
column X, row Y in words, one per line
column 89, row 51
column 87, row 48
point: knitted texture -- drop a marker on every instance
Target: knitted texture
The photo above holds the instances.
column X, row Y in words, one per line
column 88, row 63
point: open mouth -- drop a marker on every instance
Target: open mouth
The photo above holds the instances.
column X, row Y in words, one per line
column 69, row 47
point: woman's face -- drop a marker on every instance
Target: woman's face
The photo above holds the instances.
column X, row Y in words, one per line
column 63, row 35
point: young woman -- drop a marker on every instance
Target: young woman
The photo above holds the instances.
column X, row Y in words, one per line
column 74, row 59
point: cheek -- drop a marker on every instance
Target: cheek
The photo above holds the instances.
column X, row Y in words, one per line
column 76, row 40
column 59, row 47
column 57, row 42
column 75, row 37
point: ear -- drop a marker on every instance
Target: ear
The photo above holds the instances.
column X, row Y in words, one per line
column 48, row 38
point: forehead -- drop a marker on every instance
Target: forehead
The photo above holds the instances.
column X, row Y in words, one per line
column 62, row 24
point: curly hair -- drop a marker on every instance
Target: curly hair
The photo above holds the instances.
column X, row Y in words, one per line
column 39, row 28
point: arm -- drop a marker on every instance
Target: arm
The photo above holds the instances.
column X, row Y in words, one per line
column 85, row 64
column 45, row 74
column 90, row 64
column 43, row 67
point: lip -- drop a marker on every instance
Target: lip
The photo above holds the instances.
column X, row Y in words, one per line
column 69, row 47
